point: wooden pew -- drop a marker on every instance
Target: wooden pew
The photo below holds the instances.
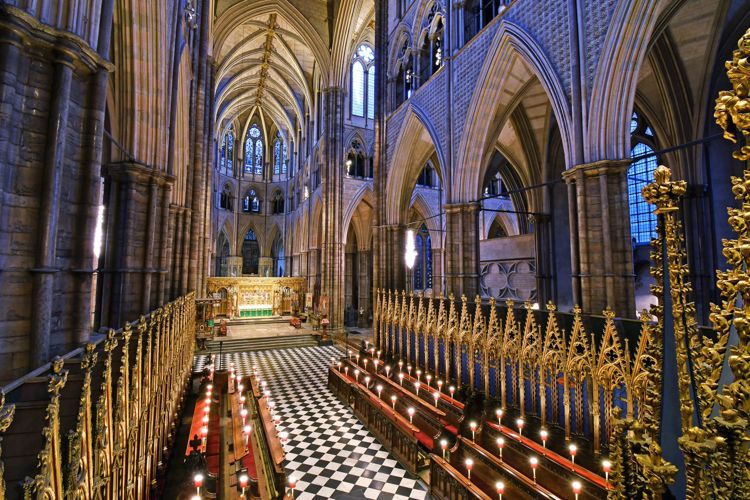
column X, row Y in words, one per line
column 447, row 483
column 266, row 450
column 392, row 430
column 487, row 470
column 554, row 471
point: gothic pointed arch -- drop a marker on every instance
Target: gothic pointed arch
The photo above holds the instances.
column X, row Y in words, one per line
column 514, row 54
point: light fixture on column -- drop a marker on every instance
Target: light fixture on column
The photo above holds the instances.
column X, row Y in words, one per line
column 410, row 255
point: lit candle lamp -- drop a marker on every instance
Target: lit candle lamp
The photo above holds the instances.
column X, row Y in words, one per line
column 451, row 389
column 246, row 430
column 198, row 482
column 277, row 419
column 243, row 399
column 576, row 488
column 339, row 365
column 440, row 385
column 387, row 370
column 410, row 411
column 473, row 427
column 243, row 483
column 243, row 414
column 400, row 365
column 544, row 435
column 469, row 464
column 519, row 424
column 367, row 381
column 419, row 374
column 206, row 409
column 349, row 353
column 534, row 464
column 429, row 379
column 500, row 445
column 401, row 379
column 205, row 419
column 283, row 437
column 416, row 386
column 607, row 467
column 500, row 488
column 379, row 354
column 346, row 371
column 499, row 414
column 443, row 446
column 572, row 449
column 292, row 484
column 436, row 395
column 380, row 389
column 204, row 433
column 263, row 384
column 393, row 401
column 356, row 375
column 408, row 369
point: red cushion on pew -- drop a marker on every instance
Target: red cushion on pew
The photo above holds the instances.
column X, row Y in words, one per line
column 248, row 462
column 452, row 429
column 212, row 464
column 425, row 440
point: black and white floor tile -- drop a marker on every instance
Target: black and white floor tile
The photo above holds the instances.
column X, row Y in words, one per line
column 330, row 452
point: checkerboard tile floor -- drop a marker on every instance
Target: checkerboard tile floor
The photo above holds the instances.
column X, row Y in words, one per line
column 330, row 452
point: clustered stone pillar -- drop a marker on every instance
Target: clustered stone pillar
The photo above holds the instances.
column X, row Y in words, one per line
column 600, row 237
column 364, row 262
column 462, row 248
column 134, row 195
column 52, row 88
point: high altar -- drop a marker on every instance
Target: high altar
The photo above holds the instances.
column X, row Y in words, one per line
column 255, row 297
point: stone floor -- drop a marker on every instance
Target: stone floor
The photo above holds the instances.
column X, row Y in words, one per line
column 330, row 452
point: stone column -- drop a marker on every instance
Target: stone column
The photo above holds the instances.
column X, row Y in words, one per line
column 544, row 258
column 265, row 266
column 134, row 193
column 364, row 259
column 49, row 211
column 462, row 248
column 601, row 234
column 393, row 268
column 437, row 271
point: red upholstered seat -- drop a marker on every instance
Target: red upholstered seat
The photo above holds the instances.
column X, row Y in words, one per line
column 248, row 462
column 212, row 465
column 424, row 440
column 448, row 427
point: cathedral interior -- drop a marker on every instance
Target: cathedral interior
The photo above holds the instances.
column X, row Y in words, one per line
column 374, row 249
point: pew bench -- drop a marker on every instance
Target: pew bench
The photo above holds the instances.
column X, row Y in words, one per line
column 555, row 471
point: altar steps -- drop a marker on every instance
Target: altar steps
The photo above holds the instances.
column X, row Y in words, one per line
column 258, row 344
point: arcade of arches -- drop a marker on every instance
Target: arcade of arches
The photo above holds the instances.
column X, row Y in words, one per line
column 151, row 146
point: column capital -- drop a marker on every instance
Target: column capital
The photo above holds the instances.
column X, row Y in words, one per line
column 461, row 207
column 136, row 172
column 601, row 167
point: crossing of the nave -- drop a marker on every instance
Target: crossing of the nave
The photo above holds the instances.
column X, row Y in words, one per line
column 374, row 249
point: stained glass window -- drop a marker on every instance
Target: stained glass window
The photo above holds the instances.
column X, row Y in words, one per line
column 230, row 151
column 254, row 151
column 363, row 83
column 358, row 89
column 371, row 93
column 277, row 156
column 423, row 267
column 285, row 160
column 641, row 173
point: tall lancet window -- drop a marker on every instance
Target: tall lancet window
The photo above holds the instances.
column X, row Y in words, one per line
column 254, row 151
column 641, row 173
column 423, row 266
column 363, row 83
column 226, row 152
column 279, row 155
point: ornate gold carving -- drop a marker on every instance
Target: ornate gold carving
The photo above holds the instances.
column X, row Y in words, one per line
column 7, row 413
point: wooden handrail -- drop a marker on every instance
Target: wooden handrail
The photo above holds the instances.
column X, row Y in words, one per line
column 460, row 478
